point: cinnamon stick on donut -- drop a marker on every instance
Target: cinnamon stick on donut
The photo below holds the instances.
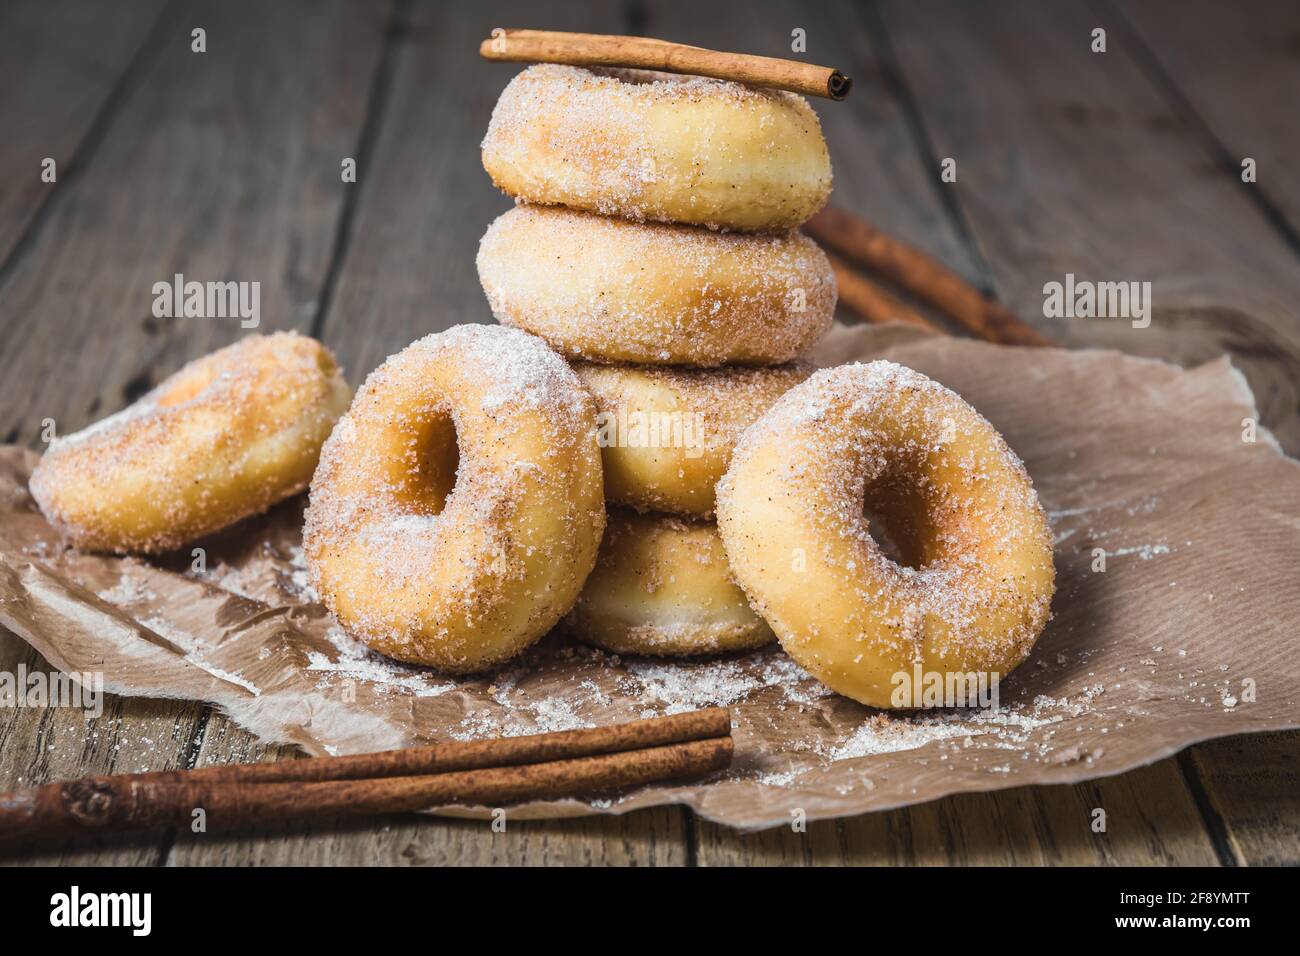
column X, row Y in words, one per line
column 591, row 49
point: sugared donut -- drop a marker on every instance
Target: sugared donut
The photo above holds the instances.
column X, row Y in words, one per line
column 666, row 434
column 226, row 437
column 644, row 145
column 662, row 587
column 458, row 507
column 973, row 590
column 609, row 290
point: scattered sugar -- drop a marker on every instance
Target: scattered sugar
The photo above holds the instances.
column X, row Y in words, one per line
column 194, row 650
column 128, row 590
column 1144, row 551
column 243, row 582
column 299, row 579
column 355, row 661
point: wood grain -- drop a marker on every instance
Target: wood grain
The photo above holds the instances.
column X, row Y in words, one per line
column 1252, row 784
column 1234, row 68
column 62, row 63
column 1150, row 819
column 215, row 167
column 223, row 165
column 425, row 200
column 1072, row 162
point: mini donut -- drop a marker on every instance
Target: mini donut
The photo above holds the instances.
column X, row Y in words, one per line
column 666, row 435
column 643, row 145
column 226, row 437
column 609, row 290
column 973, row 589
column 457, row 509
column 662, row 587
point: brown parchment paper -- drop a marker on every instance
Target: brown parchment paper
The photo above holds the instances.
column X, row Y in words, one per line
column 1197, row 605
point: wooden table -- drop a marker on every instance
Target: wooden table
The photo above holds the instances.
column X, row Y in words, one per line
column 226, row 165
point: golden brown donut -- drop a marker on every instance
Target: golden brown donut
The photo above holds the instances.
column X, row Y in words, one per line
column 666, row 434
column 976, row 584
column 644, row 145
column 224, row 438
column 458, row 507
column 662, row 587
column 614, row 291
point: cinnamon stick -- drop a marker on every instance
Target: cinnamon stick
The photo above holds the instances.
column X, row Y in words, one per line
column 470, row 754
column 871, row 302
column 132, row 803
column 924, row 276
column 592, row 49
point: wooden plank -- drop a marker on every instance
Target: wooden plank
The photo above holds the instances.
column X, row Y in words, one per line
column 1252, row 784
column 37, row 746
column 222, row 165
column 1070, row 161
column 1043, row 188
column 649, row 838
column 1233, row 70
column 60, row 63
column 1149, row 820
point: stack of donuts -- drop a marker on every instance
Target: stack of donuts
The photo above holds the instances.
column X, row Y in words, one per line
column 655, row 296
column 654, row 244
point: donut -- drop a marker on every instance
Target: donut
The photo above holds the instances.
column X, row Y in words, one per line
column 666, row 435
column 226, row 437
column 972, row 589
column 662, row 587
column 643, row 145
column 609, row 290
column 457, row 509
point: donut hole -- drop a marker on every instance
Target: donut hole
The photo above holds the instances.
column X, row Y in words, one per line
column 896, row 513
column 435, row 450
column 879, row 532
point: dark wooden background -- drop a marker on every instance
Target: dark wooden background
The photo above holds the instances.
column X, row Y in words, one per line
column 226, row 165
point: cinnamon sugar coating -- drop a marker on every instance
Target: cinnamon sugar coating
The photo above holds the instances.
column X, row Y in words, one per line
column 224, row 438
column 666, row 434
column 458, row 506
column 662, row 587
column 643, row 145
column 973, row 591
column 608, row 290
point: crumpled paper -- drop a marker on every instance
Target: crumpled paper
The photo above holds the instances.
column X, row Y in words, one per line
column 1188, row 633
